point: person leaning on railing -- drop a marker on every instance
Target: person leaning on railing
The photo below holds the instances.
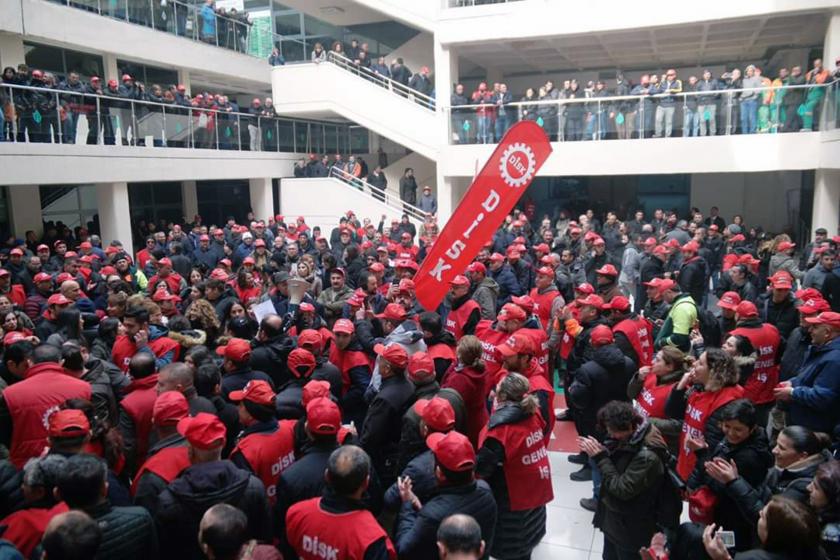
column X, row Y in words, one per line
column 318, row 54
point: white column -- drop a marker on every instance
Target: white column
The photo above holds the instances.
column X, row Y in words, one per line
column 826, row 210
column 114, row 213
column 189, row 199
column 184, row 78
column 25, row 209
column 831, row 45
column 262, row 197
column 11, row 50
column 446, row 76
column 111, row 70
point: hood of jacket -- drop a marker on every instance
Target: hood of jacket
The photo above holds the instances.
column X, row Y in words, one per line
column 609, row 357
column 407, row 334
column 203, row 485
column 157, row 331
column 189, row 338
column 490, row 284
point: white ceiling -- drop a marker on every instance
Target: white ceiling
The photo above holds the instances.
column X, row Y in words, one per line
column 695, row 44
column 337, row 12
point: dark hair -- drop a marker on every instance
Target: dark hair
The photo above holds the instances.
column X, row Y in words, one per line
column 743, row 345
column 80, row 484
column 214, row 283
column 347, row 469
column 199, row 354
column 72, row 535
column 741, row 410
column 455, row 478
column 460, row 533
column 793, row 529
column 262, row 412
column 241, row 327
column 142, row 365
column 617, row 415
column 827, row 478
column 179, row 323
column 431, row 321
column 137, row 312
column 71, row 356
column 46, row 353
column 227, row 532
column 18, row 352
column 68, row 322
column 806, row 441
column 271, row 325
column 107, row 330
column 207, row 377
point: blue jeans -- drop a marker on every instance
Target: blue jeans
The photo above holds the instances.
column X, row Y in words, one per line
column 502, row 124
column 485, row 132
column 596, row 479
column 749, row 114
column 691, row 122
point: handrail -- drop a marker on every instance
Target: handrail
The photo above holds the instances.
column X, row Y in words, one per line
column 387, row 198
column 383, row 81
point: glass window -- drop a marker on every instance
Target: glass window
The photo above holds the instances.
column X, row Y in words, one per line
column 287, row 24
column 44, row 57
column 61, row 61
column 316, row 27
column 293, row 50
column 161, row 76
column 85, row 64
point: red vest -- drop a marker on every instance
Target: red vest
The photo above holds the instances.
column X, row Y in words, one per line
column 30, row 402
column 166, row 463
column 345, row 360
column 244, row 294
column 540, row 340
column 138, row 404
column 639, row 332
column 490, row 338
column 269, row 454
column 26, row 527
column 441, row 351
column 457, row 318
column 124, row 349
column 650, row 401
column 543, row 303
column 17, row 295
column 765, row 339
column 538, row 382
column 317, row 535
column 527, row 470
column 173, row 282
column 701, row 405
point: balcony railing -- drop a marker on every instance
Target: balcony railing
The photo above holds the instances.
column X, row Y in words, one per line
column 384, row 196
column 43, row 115
column 191, row 20
column 400, row 89
column 766, row 110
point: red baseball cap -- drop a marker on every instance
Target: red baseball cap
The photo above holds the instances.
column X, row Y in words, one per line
column 585, row 288
column 16, row 252
column 525, row 302
column 407, row 285
column 310, row 337
column 259, row 243
column 829, row 318
column 42, row 277
column 248, row 260
column 459, row 280
column 666, row 284
column 785, row 246
column 517, row 343
column 314, row 389
column 593, row 300
column 812, row 306
column 393, row 354
column 808, row 293
column 13, row 336
column 58, row 299
column 511, row 311
column 301, row 362
column 477, row 267
column 607, row 270
column 323, row 416
column 598, row 240
column 421, row 367
column 547, row 261
column 226, row 262
column 545, row 271
column 392, row 312
column 437, row 413
column 601, row 335
column 204, row 237
column 203, row 431
column 729, row 300
column 452, row 450
column 257, row 391
column 344, row 326
column 691, row 247
column 407, row 263
column 737, row 238
column 660, row 250
column 781, row 281
column 542, row 248
column 650, row 241
column 377, row 267
column 42, row 247
column 237, row 350
column 68, row 423
column 85, row 245
column 165, row 262
column 60, row 279
column 497, row 257
column 746, row 309
column 169, row 408
column 4, row 272
column 619, row 303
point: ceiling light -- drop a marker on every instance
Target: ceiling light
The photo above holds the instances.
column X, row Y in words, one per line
column 331, row 10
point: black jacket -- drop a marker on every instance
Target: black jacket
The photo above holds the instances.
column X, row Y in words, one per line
column 783, row 316
column 289, row 400
column 380, row 435
column 127, row 532
column 602, row 379
column 150, row 485
column 795, row 348
column 327, row 371
column 270, row 356
column 421, row 471
column 411, row 443
column 692, row 278
column 201, row 486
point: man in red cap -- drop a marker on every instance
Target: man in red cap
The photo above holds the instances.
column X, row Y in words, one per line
column 458, row 492
column 606, row 279
column 518, row 355
column 505, row 278
column 766, row 341
column 236, row 368
column 207, row 481
column 14, row 292
column 595, row 259
column 784, row 260
column 778, row 307
column 812, row 395
column 337, row 524
column 380, row 435
column 521, row 268
column 694, row 272
column 548, row 302
column 325, row 370
column 652, row 267
column 356, row 370
column 36, row 303
column 175, row 283
column 301, row 365
column 633, row 333
column 463, row 311
column 168, row 456
column 491, row 334
column 265, row 447
column 728, row 302
column 799, row 340
column 485, row 289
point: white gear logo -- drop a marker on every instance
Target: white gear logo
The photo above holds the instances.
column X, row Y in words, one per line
column 513, row 163
column 45, row 419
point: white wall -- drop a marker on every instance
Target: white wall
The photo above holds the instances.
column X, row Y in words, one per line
column 417, row 52
column 416, row 13
column 425, row 172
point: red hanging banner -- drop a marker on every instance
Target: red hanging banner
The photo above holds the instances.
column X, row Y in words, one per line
column 492, row 195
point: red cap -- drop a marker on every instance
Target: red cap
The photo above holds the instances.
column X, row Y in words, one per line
column 323, row 416
column 301, row 362
column 42, row 247
column 598, row 240
column 85, row 245
column 203, row 431
column 781, row 281
column 393, row 354
column 12, row 337
column 545, row 271
column 314, row 389
column 667, row 284
column 219, row 274
column 306, row 307
column 607, row 270
column 204, row 237
column 226, row 262
column 574, row 231
column 257, row 391
column 393, row 312
column 407, row 263
column 746, row 309
column 512, row 252
column 511, row 311
column 58, row 299
column 61, row 278
column 525, row 302
column 810, row 306
column 169, row 408
column 452, row 450
column 650, row 242
column 68, row 423
column 593, row 300
column 542, row 248
column 248, row 260
column 16, row 252
column 517, row 343
column 259, row 243
column 808, row 293
column 126, row 77
column 497, row 257
column 729, row 300
column 459, row 280
column 660, row 250
column 585, row 288
column 58, row 243
column 163, row 295
column 547, row 261
column 310, row 338
column 590, row 236
column 42, row 277
column 619, row 303
column 437, row 413
column 785, row 246
column 691, row 247
column 737, row 238
column 4, row 272
column 407, row 285
column 237, row 350
column 477, row 267
column 601, row 335
column 421, row 367
column 829, row 318
column 377, row 267
column 344, row 326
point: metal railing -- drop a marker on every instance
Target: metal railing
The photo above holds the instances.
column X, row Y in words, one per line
column 385, row 196
column 400, row 89
column 766, row 110
column 195, row 21
column 45, row 115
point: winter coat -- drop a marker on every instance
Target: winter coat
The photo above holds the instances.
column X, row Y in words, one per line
column 796, row 347
column 380, row 435
column 692, row 277
column 508, row 285
column 486, row 294
column 781, row 261
column 127, row 532
column 270, row 356
column 408, row 190
column 600, row 380
column 817, row 389
column 197, row 489
column 473, row 386
column 407, row 334
column 303, row 480
column 784, row 316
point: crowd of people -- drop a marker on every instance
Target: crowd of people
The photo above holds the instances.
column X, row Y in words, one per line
column 250, row 390
column 734, row 103
column 167, row 112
